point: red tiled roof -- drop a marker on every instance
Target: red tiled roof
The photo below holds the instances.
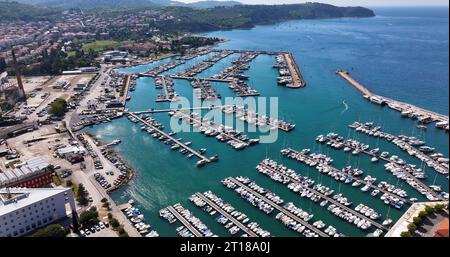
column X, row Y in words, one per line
column 442, row 229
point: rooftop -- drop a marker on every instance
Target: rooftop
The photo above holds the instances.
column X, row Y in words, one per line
column 22, row 197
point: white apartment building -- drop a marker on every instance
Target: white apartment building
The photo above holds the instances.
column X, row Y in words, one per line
column 23, row 210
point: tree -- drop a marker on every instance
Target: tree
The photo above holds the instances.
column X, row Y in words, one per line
column 423, row 214
column 412, row 227
column 58, row 107
column 114, row 223
column 106, row 205
column 54, row 230
column 2, row 65
column 405, row 234
column 439, row 207
column 110, row 216
column 104, row 200
column 75, row 223
column 82, row 195
column 417, row 220
column 69, row 183
column 429, row 209
column 89, row 218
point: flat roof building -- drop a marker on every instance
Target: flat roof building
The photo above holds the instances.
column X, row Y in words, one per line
column 23, row 210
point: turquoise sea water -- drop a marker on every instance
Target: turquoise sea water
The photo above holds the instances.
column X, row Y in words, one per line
column 399, row 54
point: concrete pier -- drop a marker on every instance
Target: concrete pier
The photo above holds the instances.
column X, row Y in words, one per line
column 200, row 156
column 422, row 114
column 353, row 179
column 329, row 199
column 247, row 230
column 186, row 223
column 280, row 209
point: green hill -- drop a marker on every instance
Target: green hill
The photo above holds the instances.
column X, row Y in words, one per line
column 13, row 11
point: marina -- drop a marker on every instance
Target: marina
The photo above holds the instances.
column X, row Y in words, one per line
column 413, row 146
column 326, row 112
column 339, row 205
column 291, row 220
column 252, row 117
column 167, row 86
column 187, row 224
column 391, row 196
column 202, row 159
column 227, row 211
column 222, row 133
column 290, row 74
column 397, row 166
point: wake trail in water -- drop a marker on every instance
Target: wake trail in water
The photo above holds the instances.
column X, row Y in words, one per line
column 346, row 107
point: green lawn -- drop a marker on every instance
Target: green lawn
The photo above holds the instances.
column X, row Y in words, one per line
column 101, row 45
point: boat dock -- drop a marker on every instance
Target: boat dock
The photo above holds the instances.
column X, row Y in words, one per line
column 280, row 209
column 200, row 156
column 329, row 199
column 227, row 215
column 371, row 185
column 207, row 79
column 252, row 117
column 407, row 173
column 210, row 124
column 181, row 109
column 403, row 145
column 421, row 114
column 294, row 70
column 186, row 223
column 169, row 94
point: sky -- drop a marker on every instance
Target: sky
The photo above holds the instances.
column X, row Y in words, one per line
column 349, row 2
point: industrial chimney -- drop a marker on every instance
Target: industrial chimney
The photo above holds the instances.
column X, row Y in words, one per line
column 18, row 76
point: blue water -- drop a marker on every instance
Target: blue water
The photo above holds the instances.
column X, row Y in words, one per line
column 400, row 53
column 394, row 54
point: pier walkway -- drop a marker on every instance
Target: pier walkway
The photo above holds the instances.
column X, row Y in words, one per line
column 207, row 79
column 297, row 77
column 408, row 174
column 422, row 114
column 353, row 178
column 329, row 199
column 181, row 109
column 186, row 223
column 417, row 153
column 126, row 90
column 280, row 209
column 200, row 156
column 227, row 215
column 211, row 124
column 267, row 121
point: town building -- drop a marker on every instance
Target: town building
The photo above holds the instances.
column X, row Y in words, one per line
column 23, row 211
column 32, row 173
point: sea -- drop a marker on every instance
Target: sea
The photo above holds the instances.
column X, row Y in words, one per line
column 402, row 53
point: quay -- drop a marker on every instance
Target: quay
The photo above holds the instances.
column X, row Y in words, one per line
column 423, row 115
column 200, row 156
column 126, row 89
column 329, row 199
column 353, row 178
column 227, row 215
column 186, row 223
column 407, row 173
column 297, row 77
column 280, row 209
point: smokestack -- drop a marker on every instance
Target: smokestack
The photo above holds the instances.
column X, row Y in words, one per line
column 18, row 75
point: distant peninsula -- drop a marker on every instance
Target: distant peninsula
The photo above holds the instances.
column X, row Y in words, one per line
column 187, row 19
